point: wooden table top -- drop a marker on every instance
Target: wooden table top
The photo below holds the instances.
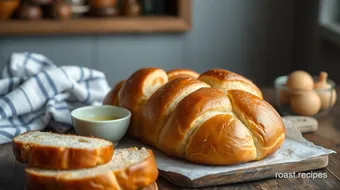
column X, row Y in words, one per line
column 327, row 135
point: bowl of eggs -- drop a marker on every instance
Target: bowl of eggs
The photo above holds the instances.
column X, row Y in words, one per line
column 300, row 93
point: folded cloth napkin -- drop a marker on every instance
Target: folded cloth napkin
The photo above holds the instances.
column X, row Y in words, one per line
column 34, row 93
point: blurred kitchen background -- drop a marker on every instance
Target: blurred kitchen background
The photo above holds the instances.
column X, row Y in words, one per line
column 257, row 38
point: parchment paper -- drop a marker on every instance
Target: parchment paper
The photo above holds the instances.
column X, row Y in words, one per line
column 295, row 149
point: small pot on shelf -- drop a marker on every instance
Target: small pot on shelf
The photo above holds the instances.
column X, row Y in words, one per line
column 61, row 10
column 131, row 8
column 29, row 11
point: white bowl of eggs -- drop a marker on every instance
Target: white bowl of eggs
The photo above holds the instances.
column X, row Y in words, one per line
column 300, row 93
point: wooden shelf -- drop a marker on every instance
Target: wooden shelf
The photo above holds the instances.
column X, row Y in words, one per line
column 143, row 24
column 94, row 26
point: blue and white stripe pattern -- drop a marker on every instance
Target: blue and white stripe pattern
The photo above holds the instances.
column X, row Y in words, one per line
column 34, row 93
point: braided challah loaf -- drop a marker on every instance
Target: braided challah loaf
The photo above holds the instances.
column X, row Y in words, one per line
column 215, row 118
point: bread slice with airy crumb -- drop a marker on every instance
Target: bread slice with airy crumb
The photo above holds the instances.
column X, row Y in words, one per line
column 130, row 168
column 60, row 151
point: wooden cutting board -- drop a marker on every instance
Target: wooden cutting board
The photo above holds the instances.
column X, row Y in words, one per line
column 304, row 124
column 246, row 175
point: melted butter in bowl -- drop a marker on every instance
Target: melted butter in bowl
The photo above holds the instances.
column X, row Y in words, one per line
column 106, row 122
column 103, row 118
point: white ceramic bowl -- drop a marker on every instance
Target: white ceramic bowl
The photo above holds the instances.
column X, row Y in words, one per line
column 93, row 121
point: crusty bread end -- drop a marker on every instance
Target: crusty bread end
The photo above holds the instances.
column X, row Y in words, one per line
column 59, row 151
column 129, row 169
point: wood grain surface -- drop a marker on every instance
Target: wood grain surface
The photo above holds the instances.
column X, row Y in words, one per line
column 94, row 26
column 246, row 175
column 327, row 135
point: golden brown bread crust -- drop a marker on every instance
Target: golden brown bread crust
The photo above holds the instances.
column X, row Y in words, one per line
column 177, row 73
column 138, row 175
column 136, row 91
column 35, row 181
column 225, row 137
column 112, row 97
column 54, row 157
column 161, row 104
column 262, row 119
column 135, row 177
column 172, row 137
column 227, row 80
column 230, row 102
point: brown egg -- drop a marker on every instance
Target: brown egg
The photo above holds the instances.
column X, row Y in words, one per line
column 300, row 80
column 326, row 94
column 305, row 103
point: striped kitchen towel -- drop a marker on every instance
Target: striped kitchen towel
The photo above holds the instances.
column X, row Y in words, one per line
column 35, row 93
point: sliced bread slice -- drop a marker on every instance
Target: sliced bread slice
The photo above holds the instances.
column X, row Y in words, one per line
column 130, row 168
column 59, row 151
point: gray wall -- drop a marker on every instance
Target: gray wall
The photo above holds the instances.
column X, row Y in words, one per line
column 305, row 48
column 253, row 38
